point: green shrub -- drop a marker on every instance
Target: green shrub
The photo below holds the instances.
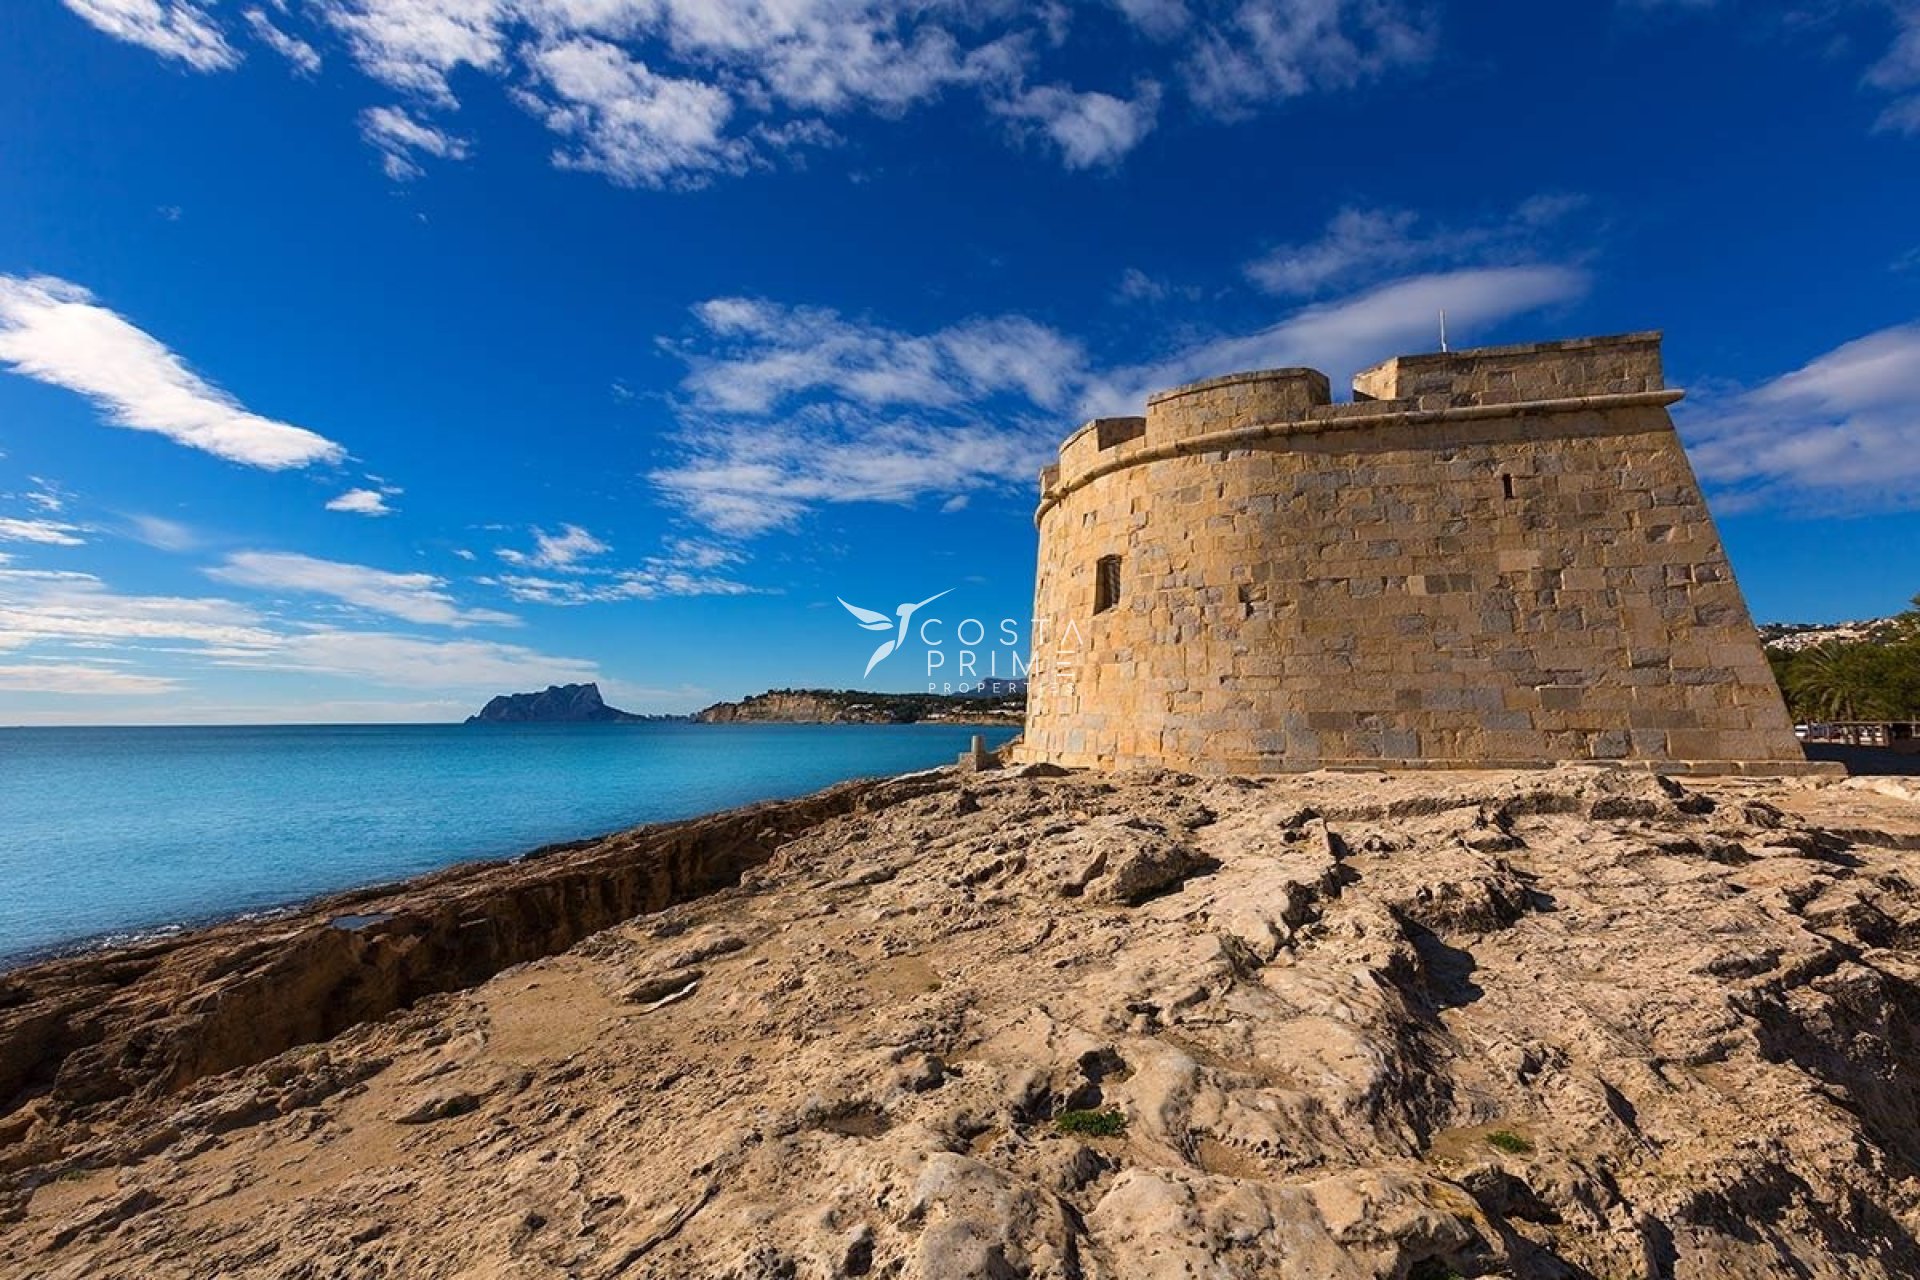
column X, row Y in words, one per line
column 1091, row 1124
column 1511, row 1143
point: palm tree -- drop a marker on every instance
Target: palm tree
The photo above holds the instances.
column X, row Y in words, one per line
column 1840, row 682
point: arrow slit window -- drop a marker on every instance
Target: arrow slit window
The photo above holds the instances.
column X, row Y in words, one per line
column 1106, row 583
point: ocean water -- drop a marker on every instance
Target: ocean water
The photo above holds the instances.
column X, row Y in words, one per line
column 111, row 832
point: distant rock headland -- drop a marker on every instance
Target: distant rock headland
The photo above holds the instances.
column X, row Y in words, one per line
column 856, row 706
column 557, row 704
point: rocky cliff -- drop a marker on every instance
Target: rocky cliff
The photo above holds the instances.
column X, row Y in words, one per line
column 1564, row 1024
column 853, row 706
column 556, row 704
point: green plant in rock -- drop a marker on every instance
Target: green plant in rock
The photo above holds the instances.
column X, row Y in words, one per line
column 1091, row 1124
column 1508, row 1141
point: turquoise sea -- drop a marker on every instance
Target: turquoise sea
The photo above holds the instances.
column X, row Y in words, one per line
column 111, row 832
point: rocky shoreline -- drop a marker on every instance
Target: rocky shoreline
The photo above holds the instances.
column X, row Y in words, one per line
column 1568, row 1023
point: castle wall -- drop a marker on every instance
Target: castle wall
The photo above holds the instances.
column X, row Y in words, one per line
column 1447, row 577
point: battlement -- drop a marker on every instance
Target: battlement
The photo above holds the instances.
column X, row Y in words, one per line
column 1617, row 365
column 1217, row 413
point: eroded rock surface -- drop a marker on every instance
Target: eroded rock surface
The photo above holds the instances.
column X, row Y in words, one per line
column 1565, row 1024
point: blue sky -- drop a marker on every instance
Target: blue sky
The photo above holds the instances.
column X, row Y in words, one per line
column 360, row 359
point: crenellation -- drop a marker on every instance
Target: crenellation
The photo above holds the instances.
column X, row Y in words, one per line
column 1492, row 556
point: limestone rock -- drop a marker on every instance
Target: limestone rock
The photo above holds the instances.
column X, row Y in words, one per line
column 1331, row 1027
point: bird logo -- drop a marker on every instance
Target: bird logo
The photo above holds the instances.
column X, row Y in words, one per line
column 874, row 620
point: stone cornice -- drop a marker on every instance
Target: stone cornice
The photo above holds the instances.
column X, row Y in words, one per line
column 1347, row 417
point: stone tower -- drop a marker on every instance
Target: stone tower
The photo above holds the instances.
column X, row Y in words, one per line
column 1488, row 558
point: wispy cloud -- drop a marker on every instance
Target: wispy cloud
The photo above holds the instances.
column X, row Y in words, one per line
column 755, row 354
column 179, row 29
column 1818, row 30
column 55, row 332
column 384, row 658
column 1836, row 436
column 304, row 57
column 624, row 120
column 1362, row 244
column 52, row 533
column 683, row 567
column 37, row 606
column 62, row 613
column 45, row 495
column 412, row 597
column 401, row 139
column 1090, row 129
column 73, row 678
column 162, row 533
column 361, row 502
column 1898, row 72
column 565, row 551
column 1267, row 51
column 1343, row 336
column 793, row 408
column 676, row 92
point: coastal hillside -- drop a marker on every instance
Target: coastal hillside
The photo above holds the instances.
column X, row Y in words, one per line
column 856, row 706
column 1792, row 637
column 1576, row 1023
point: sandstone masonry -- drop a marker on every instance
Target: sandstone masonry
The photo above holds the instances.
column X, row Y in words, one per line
column 1489, row 558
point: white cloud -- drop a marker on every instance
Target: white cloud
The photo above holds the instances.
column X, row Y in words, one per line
column 676, row 92
column 1138, row 286
column 629, row 123
column 178, row 29
column 744, row 479
column 1090, row 129
column 1837, row 435
column 413, row 597
column 167, row 535
column 45, row 495
column 384, row 658
column 684, row 567
column 1340, row 338
column 414, row 45
column 761, row 353
column 39, row 606
column 71, row 678
column 361, row 502
column 1898, row 72
column 69, row 611
column 400, row 137
column 55, row 332
column 563, row 551
column 1363, row 244
column 48, row 532
column 1157, row 19
column 304, row 57
column 793, row 408
column 1270, row 50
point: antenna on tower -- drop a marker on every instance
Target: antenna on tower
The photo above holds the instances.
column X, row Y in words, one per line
column 1443, row 330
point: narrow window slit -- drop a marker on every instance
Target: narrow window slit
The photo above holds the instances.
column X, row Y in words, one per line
column 1106, row 583
column 1506, row 486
